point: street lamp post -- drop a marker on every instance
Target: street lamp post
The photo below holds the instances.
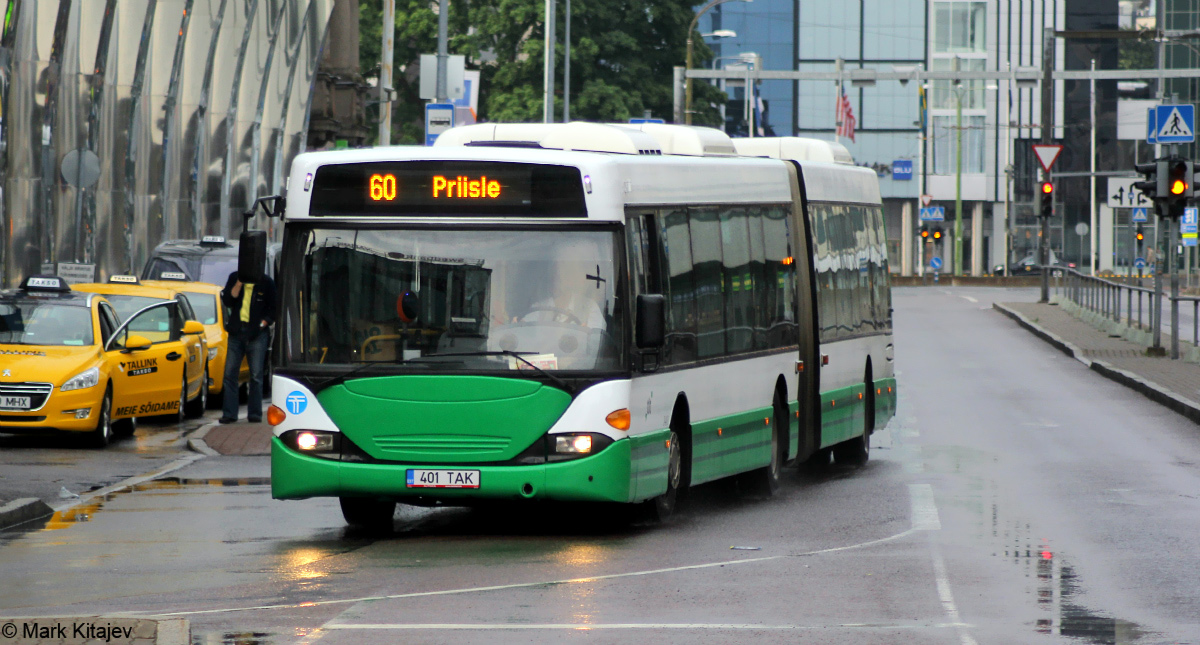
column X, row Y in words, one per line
column 687, row 101
column 958, row 214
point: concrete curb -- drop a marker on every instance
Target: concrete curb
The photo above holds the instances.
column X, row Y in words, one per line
column 23, row 510
column 1147, row 388
column 196, row 441
column 1061, row 344
column 51, row 630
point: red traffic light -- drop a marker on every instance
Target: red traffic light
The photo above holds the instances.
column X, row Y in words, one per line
column 1178, row 186
column 1047, row 188
column 1140, row 236
column 924, row 234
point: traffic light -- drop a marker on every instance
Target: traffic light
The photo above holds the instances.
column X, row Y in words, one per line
column 1140, row 235
column 1176, row 186
column 1047, row 189
column 923, row 232
column 937, row 234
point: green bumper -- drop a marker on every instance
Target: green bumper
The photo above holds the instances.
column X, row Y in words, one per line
column 603, row 477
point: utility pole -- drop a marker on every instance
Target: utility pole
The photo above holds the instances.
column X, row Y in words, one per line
column 548, row 69
column 442, row 57
column 1047, row 137
column 385, row 73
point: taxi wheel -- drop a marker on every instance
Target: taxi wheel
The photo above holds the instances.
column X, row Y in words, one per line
column 103, row 434
column 181, row 410
column 196, row 406
column 124, row 427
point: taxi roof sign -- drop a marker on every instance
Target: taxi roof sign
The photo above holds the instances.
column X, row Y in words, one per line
column 172, row 275
column 212, row 239
column 123, row 279
column 45, row 283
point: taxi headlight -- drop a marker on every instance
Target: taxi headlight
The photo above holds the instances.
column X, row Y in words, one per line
column 83, row 380
column 212, row 353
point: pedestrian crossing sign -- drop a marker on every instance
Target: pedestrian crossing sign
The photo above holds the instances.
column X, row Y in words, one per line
column 1175, row 123
column 1140, row 215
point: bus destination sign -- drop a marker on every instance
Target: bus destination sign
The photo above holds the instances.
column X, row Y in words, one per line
column 447, row 188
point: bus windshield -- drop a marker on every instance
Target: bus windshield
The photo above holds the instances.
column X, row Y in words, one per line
column 461, row 300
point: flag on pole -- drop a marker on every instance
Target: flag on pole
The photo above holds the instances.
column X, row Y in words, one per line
column 845, row 116
column 758, row 112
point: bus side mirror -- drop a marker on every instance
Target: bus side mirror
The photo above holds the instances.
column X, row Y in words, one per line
column 651, row 321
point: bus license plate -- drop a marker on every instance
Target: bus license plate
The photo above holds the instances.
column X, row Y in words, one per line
column 443, row 478
column 14, row 403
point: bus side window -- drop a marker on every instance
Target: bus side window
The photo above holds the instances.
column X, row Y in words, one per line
column 677, row 277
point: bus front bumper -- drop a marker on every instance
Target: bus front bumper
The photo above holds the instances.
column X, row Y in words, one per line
column 603, row 477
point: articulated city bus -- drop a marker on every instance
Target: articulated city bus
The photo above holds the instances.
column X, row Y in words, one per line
column 576, row 312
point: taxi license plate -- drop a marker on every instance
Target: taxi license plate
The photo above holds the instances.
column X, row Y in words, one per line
column 443, row 478
column 14, row 403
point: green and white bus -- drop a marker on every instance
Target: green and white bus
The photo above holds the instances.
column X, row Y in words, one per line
column 577, row 312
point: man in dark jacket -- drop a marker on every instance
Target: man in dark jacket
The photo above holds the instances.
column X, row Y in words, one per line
column 251, row 314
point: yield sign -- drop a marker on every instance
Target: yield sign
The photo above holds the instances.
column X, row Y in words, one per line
column 925, row 199
column 1046, row 154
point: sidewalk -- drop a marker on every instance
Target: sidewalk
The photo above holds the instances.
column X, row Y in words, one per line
column 241, row 438
column 1173, row 383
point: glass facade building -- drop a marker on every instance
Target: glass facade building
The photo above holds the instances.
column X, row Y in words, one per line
column 999, row 121
column 128, row 122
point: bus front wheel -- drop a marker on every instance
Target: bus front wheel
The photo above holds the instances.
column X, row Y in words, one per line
column 365, row 513
column 662, row 507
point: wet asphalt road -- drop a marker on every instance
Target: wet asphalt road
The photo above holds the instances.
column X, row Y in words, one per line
column 1016, row 498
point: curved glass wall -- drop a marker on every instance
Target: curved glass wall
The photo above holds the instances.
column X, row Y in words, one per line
column 124, row 123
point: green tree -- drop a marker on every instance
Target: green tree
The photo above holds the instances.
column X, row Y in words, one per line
column 1138, row 53
column 622, row 58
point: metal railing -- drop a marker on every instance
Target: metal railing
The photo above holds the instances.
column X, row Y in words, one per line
column 1110, row 298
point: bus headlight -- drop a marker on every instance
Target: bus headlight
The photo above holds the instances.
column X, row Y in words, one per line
column 212, row 352
column 314, row 442
column 83, row 380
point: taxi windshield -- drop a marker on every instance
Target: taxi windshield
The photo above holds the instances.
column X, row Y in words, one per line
column 204, row 305
column 462, row 300
column 215, row 269
column 42, row 323
column 126, row 306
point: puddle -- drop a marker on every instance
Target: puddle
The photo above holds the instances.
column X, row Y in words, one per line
column 1058, row 589
column 236, row 638
column 83, row 512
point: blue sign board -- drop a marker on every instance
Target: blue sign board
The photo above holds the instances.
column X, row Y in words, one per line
column 1191, row 240
column 439, row 117
column 1151, row 125
column 647, row 121
column 1188, row 223
column 935, row 263
column 1175, row 123
column 1140, row 215
column 933, row 214
column 902, row 169
column 1139, row 263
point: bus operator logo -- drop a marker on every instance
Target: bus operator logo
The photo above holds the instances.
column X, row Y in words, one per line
column 296, row 402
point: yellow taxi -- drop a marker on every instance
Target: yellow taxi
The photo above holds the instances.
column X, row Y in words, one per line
column 205, row 299
column 170, row 345
column 70, row 364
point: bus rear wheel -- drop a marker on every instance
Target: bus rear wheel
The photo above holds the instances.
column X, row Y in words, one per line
column 366, row 513
column 765, row 481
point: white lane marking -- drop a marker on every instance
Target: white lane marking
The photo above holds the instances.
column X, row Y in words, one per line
column 945, row 595
column 968, row 298
column 521, row 585
column 924, row 509
column 130, row 482
column 592, row 626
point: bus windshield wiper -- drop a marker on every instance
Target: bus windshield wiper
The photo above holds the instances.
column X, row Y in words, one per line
column 341, row 378
column 519, row 356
